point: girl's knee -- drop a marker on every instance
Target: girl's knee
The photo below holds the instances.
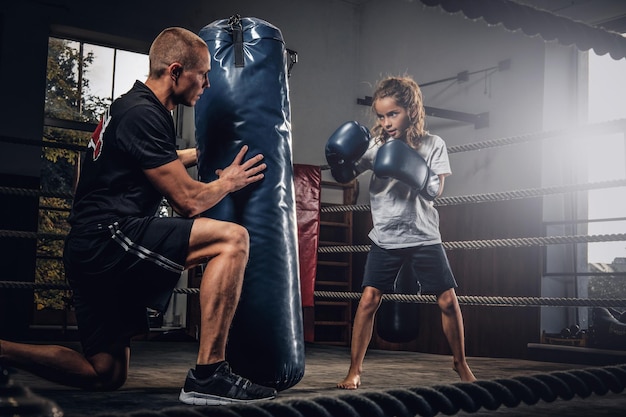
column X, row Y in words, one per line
column 370, row 299
column 447, row 301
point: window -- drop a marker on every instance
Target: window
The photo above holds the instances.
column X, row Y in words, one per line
column 82, row 80
column 607, row 161
column 590, row 270
column 607, row 101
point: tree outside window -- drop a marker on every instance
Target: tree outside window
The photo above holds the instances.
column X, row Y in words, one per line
column 81, row 82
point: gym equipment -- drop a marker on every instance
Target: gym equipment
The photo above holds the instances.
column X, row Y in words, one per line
column 344, row 148
column 396, row 159
column 398, row 322
column 248, row 104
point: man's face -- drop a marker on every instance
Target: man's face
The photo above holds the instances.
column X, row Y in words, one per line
column 192, row 81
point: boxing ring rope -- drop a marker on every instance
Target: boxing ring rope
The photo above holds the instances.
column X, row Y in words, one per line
column 611, row 126
column 398, row 402
column 585, row 129
column 494, row 243
column 403, row 298
column 468, row 244
column 485, row 300
column 430, row 401
column 492, row 197
column 441, row 201
column 618, row 125
column 29, row 192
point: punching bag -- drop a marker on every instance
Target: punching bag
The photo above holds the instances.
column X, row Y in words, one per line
column 248, row 104
column 398, row 322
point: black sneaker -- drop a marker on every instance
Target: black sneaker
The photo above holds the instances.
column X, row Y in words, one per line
column 223, row 387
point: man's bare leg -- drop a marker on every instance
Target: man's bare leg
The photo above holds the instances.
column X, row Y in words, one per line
column 225, row 246
column 361, row 336
column 452, row 322
column 103, row 371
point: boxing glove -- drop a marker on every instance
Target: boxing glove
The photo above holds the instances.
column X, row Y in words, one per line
column 396, row 159
column 344, row 148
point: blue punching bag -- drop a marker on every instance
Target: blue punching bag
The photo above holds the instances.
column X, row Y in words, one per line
column 248, row 104
column 398, row 322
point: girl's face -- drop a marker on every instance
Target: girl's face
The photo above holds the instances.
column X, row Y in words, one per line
column 393, row 118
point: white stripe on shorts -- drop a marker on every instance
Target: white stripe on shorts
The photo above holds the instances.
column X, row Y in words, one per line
column 140, row 251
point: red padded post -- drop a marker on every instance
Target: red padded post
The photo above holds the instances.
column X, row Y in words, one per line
column 307, row 184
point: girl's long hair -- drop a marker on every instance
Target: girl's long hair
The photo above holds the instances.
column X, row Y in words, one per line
column 408, row 95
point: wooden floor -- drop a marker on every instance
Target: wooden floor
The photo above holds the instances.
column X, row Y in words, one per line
column 158, row 371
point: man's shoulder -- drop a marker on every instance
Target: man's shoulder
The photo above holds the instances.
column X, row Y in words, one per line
column 138, row 95
column 137, row 111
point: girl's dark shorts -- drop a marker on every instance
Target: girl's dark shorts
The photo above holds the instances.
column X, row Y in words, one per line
column 117, row 269
column 429, row 264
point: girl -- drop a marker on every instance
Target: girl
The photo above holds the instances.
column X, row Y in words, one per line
column 406, row 226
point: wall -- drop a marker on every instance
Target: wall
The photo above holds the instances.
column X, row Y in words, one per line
column 400, row 37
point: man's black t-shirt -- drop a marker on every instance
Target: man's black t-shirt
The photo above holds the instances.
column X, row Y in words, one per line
column 137, row 134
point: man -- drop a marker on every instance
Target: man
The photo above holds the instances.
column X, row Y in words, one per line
column 121, row 258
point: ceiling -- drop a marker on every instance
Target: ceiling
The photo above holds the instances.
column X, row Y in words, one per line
column 607, row 14
column 586, row 24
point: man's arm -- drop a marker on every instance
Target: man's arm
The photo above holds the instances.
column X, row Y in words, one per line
column 189, row 157
column 189, row 197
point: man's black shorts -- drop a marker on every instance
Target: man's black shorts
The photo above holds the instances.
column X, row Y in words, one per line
column 117, row 269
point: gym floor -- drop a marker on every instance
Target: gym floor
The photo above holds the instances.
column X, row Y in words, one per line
column 158, row 370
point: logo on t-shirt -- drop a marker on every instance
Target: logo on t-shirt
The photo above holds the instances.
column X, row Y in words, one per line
column 96, row 142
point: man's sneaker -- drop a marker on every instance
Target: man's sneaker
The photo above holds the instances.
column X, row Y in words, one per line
column 223, row 387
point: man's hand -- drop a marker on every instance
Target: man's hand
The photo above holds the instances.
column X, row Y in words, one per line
column 189, row 197
column 239, row 174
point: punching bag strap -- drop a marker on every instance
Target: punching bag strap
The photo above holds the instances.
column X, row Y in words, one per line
column 235, row 26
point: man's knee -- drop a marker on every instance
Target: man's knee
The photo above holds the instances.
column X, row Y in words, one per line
column 110, row 382
column 111, row 371
column 238, row 239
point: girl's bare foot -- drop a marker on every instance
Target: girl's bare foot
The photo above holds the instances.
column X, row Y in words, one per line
column 464, row 372
column 350, row 382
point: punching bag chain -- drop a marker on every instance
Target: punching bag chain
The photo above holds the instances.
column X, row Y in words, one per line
column 235, row 26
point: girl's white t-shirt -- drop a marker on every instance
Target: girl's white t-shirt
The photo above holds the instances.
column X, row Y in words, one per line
column 401, row 216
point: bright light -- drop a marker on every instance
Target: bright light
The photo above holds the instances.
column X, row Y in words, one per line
column 607, row 154
column 128, row 67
